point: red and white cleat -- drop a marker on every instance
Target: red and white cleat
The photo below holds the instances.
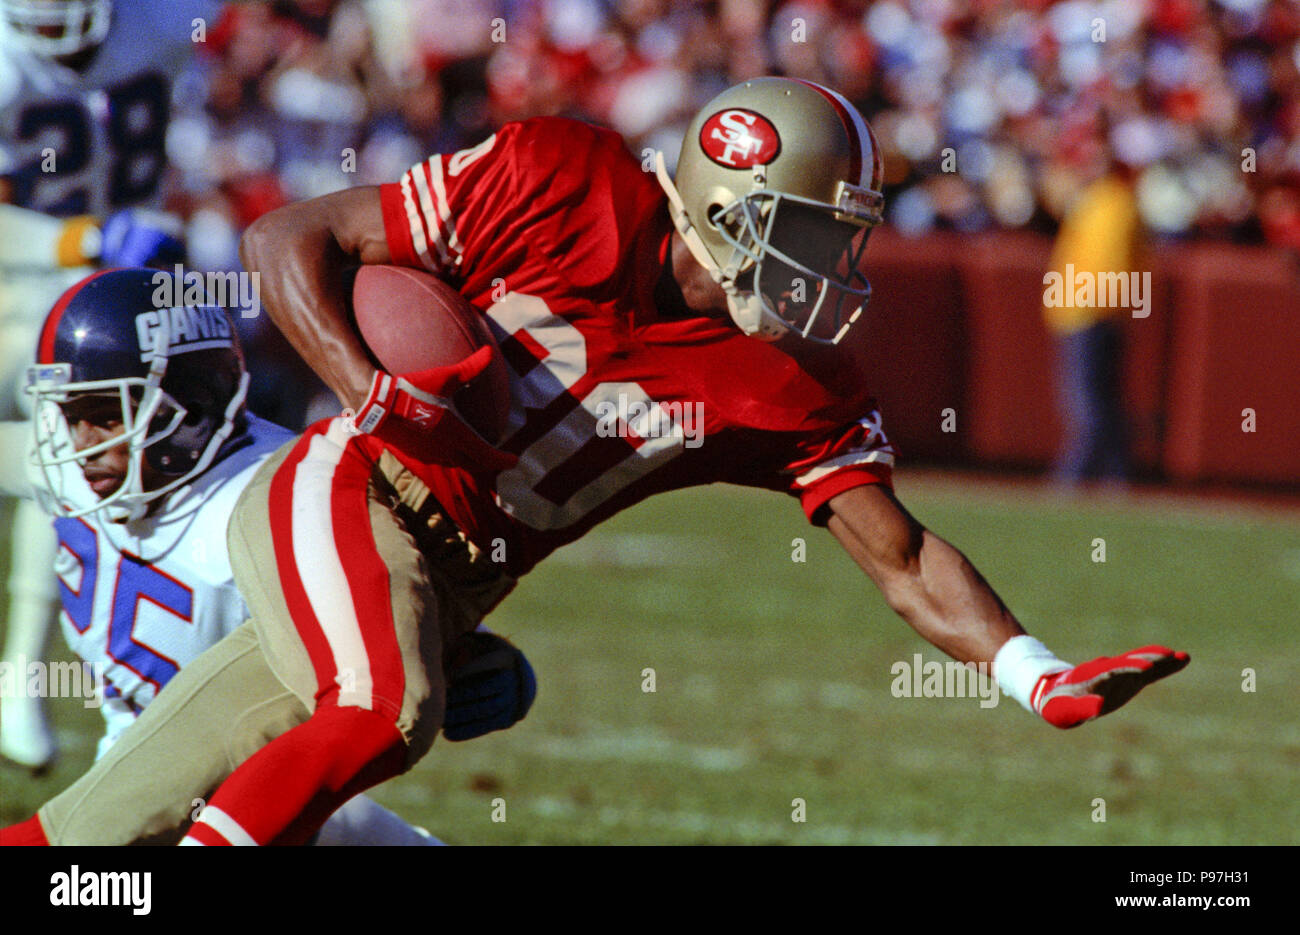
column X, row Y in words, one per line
column 1067, row 699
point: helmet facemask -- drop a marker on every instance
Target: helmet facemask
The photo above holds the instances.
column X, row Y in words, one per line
column 750, row 225
column 151, row 418
column 795, row 263
column 58, row 29
column 776, row 187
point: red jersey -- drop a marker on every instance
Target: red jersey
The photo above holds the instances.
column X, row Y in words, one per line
column 552, row 228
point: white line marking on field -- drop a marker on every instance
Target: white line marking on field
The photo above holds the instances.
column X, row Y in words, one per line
column 701, row 687
column 836, row 696
column 1290, row 564
column 638, row 746
column 633, row 550
column 844, row 696
column 750, row 830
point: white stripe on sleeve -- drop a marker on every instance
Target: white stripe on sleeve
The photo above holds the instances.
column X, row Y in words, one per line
column 879, row 456
column 417, row 227
column 427, row 209
column 444, row 209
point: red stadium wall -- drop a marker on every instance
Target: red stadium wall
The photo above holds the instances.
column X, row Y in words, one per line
column 1236, row 346
column 1010, row 396
column 917, row 340
column 956, row 323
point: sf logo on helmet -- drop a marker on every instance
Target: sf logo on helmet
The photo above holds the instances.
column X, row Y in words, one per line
column 739, row 139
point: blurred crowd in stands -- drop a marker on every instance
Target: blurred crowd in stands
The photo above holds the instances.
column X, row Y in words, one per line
column 992, row 113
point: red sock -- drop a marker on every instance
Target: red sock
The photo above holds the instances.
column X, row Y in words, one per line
column 284, row 792
column 27, row 833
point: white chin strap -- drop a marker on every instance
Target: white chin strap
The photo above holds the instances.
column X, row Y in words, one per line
column 746, row 308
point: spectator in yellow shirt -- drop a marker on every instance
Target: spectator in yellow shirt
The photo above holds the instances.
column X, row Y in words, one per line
column 1099, row 237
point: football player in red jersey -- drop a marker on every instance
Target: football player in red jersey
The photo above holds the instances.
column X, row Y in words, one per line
column 615, row 307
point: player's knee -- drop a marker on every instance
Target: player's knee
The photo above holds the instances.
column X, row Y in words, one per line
column 361, row 742
column 416, row 717
column 422, row 733
column 258, row 725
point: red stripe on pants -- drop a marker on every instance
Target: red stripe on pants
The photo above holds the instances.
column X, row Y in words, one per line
column 295, row 596
column 367, row 575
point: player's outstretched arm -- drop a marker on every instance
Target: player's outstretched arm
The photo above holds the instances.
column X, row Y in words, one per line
column 940, row 594
column 298, row 251
column 925, row 580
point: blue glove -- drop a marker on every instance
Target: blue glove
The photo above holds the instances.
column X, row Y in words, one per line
column 140, row 237
column 491, row 687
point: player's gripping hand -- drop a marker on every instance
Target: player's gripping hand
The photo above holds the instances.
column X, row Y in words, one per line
column 491, row 687
column 1067, row 699
column 414, row 413
column 141, row 237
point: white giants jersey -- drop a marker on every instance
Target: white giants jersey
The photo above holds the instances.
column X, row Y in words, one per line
column 92, row 141
column 142, row 599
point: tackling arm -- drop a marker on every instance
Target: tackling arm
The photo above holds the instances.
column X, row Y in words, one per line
column 298, row 250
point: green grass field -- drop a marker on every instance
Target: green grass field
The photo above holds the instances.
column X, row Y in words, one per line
column 773, row 683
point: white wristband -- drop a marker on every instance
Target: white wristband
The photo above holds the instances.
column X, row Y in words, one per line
column 1020, row 663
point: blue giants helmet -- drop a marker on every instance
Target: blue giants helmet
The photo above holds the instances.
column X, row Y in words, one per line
column 176, row 371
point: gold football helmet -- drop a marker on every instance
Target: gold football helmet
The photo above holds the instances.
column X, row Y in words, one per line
column 777, row 187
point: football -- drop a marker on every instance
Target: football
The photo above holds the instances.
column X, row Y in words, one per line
column 412, row 321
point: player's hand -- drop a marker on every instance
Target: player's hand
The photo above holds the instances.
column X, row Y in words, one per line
column 414, row 413
column 491, row 687
column 140, row 237
column 1067, row 699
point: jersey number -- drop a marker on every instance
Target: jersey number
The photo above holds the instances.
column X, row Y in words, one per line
column 136, row 582
column 137, row 128
column 559, row 448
